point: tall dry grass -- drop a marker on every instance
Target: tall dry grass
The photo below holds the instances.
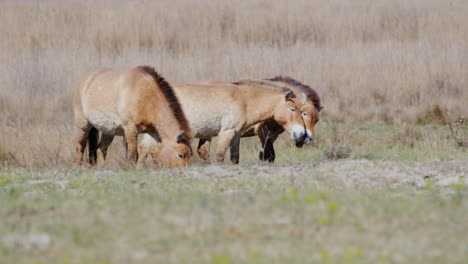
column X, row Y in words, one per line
column 400, row 61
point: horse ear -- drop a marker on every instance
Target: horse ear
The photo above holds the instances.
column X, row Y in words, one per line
column 289, row 95
column 180, row 136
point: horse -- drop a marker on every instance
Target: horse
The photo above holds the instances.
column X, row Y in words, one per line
column 128, row 103
column 228, row 110
column 269, row 130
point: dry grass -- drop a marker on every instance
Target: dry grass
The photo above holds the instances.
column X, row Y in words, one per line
column 371, row 61
column 387, row 71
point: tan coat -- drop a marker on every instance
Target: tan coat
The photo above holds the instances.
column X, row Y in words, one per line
column 229, row 110
column 127, row 103
column 269, row 130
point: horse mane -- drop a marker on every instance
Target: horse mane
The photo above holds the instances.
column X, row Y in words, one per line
column 309, row 92
column 171, row 98
column 262, row 84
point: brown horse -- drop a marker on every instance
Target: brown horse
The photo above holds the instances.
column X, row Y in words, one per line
column 228, row 110
column 269, row 130
column 127, row 103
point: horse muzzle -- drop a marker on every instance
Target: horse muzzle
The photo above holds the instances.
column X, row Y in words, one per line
column 297, row 133
column 306, row 138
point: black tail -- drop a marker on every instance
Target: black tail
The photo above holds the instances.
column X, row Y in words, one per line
column 92, row 145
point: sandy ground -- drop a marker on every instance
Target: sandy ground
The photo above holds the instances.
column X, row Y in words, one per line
column 360, row 173
column 352, row 173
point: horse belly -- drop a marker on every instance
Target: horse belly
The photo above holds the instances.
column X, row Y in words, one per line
column 207, row 128
column 107, row 123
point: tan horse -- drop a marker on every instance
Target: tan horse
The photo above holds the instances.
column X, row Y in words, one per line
column 269, row 130
column 127, row 103
column 228, row 110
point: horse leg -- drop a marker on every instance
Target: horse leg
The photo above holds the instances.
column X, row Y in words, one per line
column 142, row 155
column 82, row 132
column 225, row 138
column 144, row 148
column 124, row 142
column 269, row 151
column 204, row 148
column 263, row 135
column 131, row 135
column 267, row 137
column 93, row 140
column 235, row 145
column 106, row 140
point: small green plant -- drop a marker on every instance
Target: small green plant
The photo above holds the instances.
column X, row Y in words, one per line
column 325, row 255
column 332, row 209
column 5, row 179
column 351, row 254
column 310, row 199
column 222, row 259
column 290, row 195
column 76, row 184
column 337, row 152
column 368, row 156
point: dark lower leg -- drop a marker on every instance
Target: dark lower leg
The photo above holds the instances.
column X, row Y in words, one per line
column 104, row 144
column 235, row 145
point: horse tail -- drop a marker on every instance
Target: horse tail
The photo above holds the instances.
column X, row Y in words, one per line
column 92, row 145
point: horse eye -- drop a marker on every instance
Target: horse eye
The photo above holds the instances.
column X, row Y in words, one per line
column 304, row 113
column 181, row 156
column 292, row 109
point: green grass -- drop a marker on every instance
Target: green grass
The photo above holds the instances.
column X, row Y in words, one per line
column 372, row 141
column 228, row 214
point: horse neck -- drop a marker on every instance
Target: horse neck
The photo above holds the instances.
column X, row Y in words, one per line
column 167, row 125
column 261, row 105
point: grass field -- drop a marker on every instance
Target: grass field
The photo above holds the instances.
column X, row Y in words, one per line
column 401, row 201
column 354, row 211
column 384, row 181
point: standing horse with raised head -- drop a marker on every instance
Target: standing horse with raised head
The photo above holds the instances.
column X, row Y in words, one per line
column 269, row 130
column 228, row 110
column 127, row 103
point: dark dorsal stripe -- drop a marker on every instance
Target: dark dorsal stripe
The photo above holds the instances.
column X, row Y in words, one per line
column 309, row 92
column 170, row 97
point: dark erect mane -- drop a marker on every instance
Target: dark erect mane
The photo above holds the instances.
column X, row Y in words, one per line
column 262, row 84
column 309, row 92
column 170, row 97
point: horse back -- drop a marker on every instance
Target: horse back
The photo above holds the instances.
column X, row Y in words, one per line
column 109, row 98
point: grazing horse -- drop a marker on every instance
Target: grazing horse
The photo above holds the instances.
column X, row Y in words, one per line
column 269, row 130
column 127, row 103
column 228, row 110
